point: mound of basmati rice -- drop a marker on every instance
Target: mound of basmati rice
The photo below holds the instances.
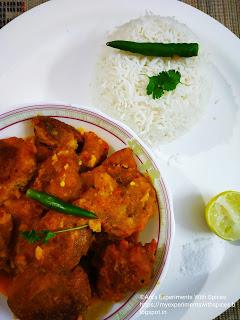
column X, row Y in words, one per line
column 121, row 78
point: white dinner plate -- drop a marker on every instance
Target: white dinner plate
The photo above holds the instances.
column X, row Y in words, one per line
column 48, row 54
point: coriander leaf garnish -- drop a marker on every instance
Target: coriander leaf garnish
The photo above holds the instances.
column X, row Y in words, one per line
column 164, row 81
column 157, row 93
column 47, row 235
column 33, row 236
column 153, row 82
column 171, row 79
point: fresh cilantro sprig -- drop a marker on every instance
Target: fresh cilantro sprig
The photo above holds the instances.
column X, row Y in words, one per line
column 164, row 81
column 33, row 236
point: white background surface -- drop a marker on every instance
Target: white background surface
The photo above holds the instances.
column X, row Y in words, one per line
column 47, row 55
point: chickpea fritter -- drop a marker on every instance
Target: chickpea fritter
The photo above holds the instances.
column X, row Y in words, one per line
column 17, row 166
column 6, row 228
column 125, row 267
column 59, row 175
column 43, row 151
column 44, row 295
column 124, row 206
column 54, row 133
column 120, row 165
column 61, row 253
column 94, row 151
column 25, row 211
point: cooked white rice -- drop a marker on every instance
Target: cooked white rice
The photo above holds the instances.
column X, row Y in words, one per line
column 120, row 81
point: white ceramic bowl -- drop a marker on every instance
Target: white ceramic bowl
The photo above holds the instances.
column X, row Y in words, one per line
column 160, row 227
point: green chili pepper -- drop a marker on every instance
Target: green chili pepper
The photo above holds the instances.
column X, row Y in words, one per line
column 59, row 205
column 156, row 49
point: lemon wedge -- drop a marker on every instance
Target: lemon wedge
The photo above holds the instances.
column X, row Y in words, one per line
column 223, row 215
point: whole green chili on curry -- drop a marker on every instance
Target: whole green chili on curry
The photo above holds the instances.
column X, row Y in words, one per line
column 57, row 204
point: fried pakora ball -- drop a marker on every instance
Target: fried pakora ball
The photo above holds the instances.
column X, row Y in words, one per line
column 23, row 254
column 25, row 211
column 125, row 267
column 59, row 175
column 43, row 295
column 61, row 253
column 54, row 133
column 94, row 151
column 122, row 209
column 120, row 165
column 43, row 151
column 6, row 227
column 17, row 166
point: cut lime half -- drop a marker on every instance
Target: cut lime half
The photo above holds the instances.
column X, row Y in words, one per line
column 223, row 215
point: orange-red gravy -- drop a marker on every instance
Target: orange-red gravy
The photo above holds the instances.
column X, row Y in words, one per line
column 5, row 282
column 98, row 309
